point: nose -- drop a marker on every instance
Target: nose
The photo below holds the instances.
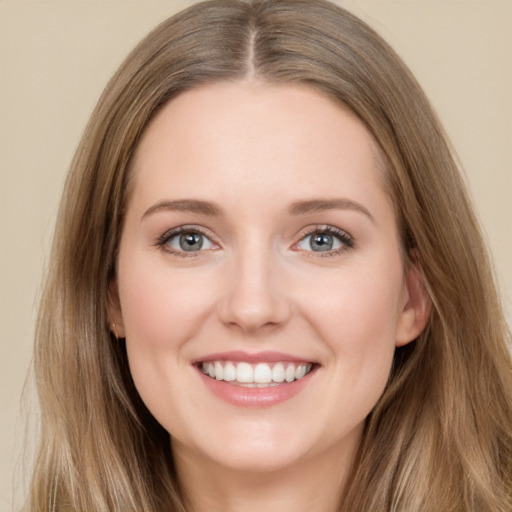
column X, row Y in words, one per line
column 255, row 298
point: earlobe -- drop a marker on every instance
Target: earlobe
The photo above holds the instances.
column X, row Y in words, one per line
column 116, row 324
column 416, row 311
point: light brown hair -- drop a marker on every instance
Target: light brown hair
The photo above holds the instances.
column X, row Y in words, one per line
column 440, row 437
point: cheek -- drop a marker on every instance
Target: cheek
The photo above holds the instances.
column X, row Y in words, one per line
column 358, row 320
column 360, row 308
column 161, row 306
column 162, row 309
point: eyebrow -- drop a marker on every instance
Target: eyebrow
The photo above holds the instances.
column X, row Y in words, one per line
column 297, row 208
column 318, row 205
column 185, row 205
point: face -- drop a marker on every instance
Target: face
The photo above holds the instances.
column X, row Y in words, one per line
column 261, row 285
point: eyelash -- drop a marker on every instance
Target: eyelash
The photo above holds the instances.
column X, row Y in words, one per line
column 345, row 238
column 163, row 241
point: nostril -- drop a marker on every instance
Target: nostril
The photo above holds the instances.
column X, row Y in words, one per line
column 253, row 315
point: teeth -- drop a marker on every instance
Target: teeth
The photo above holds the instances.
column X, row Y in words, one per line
column 244, row 372
column 300, row 371
column 278, row 373
column 261, row 375
column 289, row 373
column 229, row 372
column 219, row 371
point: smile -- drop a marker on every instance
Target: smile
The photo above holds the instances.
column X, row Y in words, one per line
column 262, row 379
column 260, row 375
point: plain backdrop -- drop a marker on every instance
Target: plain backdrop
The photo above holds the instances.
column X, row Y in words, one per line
column 56, row 57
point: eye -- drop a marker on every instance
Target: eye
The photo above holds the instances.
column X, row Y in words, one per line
column 327, row 239
column 185, row 240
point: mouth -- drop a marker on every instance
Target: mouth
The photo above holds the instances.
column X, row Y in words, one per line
column 255, row 375
column 255, row 380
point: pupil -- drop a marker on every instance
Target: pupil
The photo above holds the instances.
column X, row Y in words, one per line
column 191, row 241
column 322, row 242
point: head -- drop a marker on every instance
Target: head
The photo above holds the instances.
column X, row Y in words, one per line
column 297, row 43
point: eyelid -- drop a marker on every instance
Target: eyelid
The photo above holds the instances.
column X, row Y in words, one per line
column 346, row 239
column 162, row 240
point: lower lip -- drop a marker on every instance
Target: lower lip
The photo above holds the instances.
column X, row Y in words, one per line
column 255, row 397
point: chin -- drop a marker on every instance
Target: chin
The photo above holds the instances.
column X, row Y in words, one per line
column 249, row 446
column 252, row 459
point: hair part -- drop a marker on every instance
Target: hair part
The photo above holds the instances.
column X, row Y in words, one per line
column 440, row 437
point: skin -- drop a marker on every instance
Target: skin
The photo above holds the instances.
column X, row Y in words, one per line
column 254, row 150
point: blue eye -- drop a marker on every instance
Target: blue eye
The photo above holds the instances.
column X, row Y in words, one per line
column 187, row 241
column 326, row 240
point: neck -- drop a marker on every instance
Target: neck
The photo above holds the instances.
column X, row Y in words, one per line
column 314, row 484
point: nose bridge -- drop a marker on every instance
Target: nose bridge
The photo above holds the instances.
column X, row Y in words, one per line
column 254, row 297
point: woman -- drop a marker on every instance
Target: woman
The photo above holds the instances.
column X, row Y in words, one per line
column 268, row 287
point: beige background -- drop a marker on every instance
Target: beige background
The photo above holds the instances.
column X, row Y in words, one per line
column 56, row 56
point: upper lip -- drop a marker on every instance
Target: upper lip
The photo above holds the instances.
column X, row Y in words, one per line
column 252, row 357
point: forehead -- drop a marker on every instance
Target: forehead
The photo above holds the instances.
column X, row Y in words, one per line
column 246, row 133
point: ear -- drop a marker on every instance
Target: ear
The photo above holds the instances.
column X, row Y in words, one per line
column 115, row 315
column 417, row 306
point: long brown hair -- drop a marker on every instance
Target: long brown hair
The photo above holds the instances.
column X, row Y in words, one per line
column 440, row 437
